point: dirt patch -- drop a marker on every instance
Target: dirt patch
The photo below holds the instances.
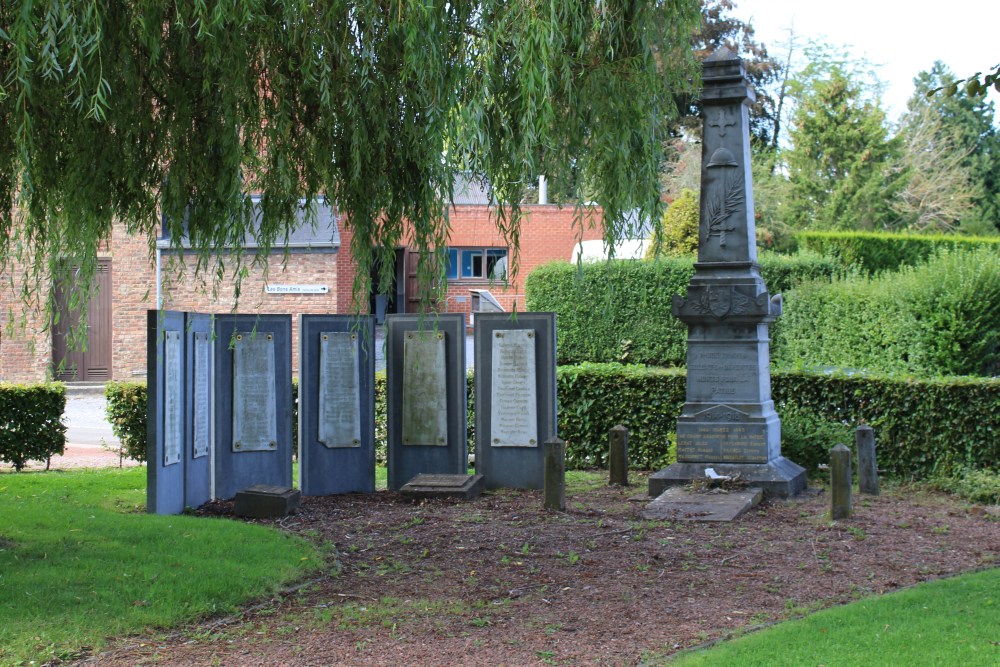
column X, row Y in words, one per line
column 500, row 581
column 83, row 456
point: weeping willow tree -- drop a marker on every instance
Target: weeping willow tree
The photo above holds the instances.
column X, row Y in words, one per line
column 123, row 111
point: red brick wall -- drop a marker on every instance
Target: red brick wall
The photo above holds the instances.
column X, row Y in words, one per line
column 25, row 342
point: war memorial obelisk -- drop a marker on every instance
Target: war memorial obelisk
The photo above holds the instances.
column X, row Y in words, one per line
column 728, row 422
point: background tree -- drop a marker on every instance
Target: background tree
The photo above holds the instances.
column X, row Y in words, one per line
column 968, row 120
column 840, row 160
column 125, row 109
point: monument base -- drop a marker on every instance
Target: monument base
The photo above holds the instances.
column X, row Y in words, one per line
column 462, row 487
column 779, row 477
column 264, row 501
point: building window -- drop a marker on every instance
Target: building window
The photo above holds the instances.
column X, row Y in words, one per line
column 477, row 263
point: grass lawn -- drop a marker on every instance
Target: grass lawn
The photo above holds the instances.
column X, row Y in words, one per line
column 81, row 561
column 953, row 621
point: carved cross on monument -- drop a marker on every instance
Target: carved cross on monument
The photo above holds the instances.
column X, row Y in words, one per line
column 728, row 421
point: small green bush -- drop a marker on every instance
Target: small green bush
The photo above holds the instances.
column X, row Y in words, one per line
column 976, row 486
column 621, row 311
column 677, row 233
column 880, row 251
column 126, row 411
column 938, row 318
column 31, row 426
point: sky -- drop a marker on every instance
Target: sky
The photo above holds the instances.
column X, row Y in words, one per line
column 903, row 38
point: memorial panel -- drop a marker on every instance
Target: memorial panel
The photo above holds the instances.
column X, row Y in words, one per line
column 720, row 441
column 255, row 425
column 514, row 405
column 173, row 399
column 339, row 393
column 201, row 407
column 425, row 389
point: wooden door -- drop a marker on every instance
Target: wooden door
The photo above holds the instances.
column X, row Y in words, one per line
column 92, row 361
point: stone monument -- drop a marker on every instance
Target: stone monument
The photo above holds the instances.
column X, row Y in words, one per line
column 165, row 413
column 728, row 422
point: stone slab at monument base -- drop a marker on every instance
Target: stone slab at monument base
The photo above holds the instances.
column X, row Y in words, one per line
column 462, row 487
column 779, row 477
column 679, row 504
column 263, row 501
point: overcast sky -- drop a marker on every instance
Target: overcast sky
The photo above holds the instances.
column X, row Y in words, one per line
column 902, row 37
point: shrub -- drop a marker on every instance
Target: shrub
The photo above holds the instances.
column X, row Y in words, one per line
column 938, row 318
column 677, row 233
column 31, row 427
column 879, row 251
column 126, row 410
column 976, row 486
column 620, row 311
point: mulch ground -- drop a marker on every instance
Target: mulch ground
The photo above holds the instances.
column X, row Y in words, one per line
column 500, row 581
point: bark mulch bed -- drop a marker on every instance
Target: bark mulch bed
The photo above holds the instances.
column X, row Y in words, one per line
column 500, row 581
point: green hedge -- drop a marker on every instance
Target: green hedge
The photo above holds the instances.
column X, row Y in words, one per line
column 620, row 311
column 938, row 318
column 31, row 426
column 126, row 411
column 923, row 427
column 876, row 252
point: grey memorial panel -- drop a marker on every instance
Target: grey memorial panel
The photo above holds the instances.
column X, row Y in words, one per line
column 198, row 369
column 165, row 421
column 255, row 426
column 336, row 404
column 420, row 398
column 728, row 420
column 425, row 389
column 339, row 393
column 173, row 398
column 515, row 396
column 514, row 405
column 202, row 408
column 252, row 397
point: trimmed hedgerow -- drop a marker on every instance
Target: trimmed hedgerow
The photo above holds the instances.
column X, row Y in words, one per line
column 881, row 251
column 31, row 426
column 938, row 318
column 620, row 311
column 126, row 411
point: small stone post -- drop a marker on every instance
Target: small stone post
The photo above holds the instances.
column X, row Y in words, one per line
column 618, row 455
column 864, row 437
column 840, row 482
column 555, row 474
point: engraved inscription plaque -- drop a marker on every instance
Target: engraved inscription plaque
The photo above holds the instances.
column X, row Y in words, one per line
column 173, row 401
column 201, row 405
column 728, row 372
column 339, row 394
column 255, row 425
column 425, row 389
column 514, row 407
column 722, row 442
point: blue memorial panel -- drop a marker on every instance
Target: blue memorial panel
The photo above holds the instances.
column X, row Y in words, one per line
column 165, row 414
column 425, row 391
column 336, row 404
column 198, row 436
column 252, row 395
column 516, row 411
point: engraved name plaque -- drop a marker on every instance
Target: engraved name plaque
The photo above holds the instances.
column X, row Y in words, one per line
column 201, row 444
column 425, row 390
column 339, row 394
column 173, row 402
column 255, row 426
column 514, row 407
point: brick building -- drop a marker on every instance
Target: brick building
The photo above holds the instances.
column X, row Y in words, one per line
column 314, row 274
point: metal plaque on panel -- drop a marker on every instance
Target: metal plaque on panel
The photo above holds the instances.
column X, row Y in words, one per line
column 339, row 394
column 425, row 389
column 173, row 401
column 202, row 441
column 255, row 425
column 514, row 405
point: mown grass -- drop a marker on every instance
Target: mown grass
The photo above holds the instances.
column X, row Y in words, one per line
column 953, row 621
column 80, row 561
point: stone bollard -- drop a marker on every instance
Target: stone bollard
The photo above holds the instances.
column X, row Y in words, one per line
column 618, row 455
column 864, row 437
column 840, row 482
column 555, row 474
